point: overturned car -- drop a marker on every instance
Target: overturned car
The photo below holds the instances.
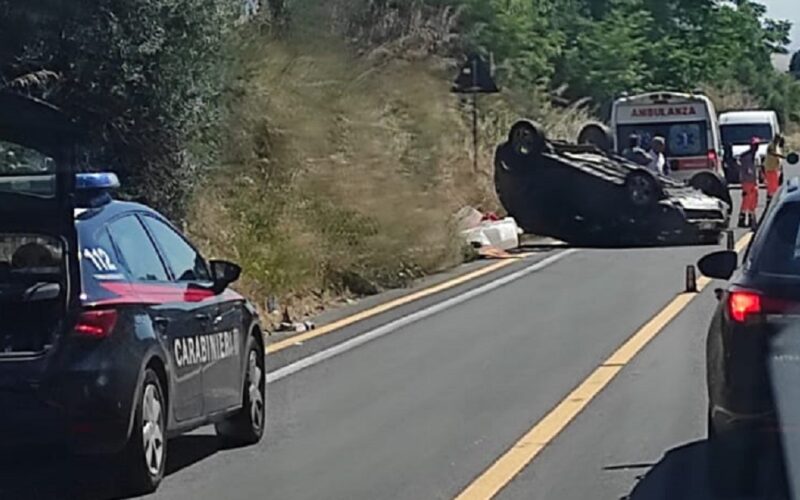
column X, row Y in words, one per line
column 584, row 196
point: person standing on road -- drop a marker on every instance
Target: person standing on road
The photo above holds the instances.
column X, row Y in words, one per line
column 729, row 164
column 658, row 162
column 772, row 166
column 748, row 176
column 635, row 152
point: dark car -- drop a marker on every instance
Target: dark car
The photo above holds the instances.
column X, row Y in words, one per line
column 582, row 195
column 757, row 311
column 117, row 334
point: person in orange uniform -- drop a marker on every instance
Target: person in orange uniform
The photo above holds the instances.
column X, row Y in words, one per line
column 748, row 175
column 772, row 166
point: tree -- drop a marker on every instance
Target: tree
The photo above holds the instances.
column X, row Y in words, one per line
column 519, row 33
column 608, row 57
column 141, row 75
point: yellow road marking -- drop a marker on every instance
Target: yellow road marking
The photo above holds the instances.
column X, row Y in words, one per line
column 326, row 329
column 742, row 243
column 502, row 471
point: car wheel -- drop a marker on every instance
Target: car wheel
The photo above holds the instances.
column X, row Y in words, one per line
column 527, row 138
column 247, row 425
column 642, row 188
column 145, row 456
column 597, row 135
column 729, row 474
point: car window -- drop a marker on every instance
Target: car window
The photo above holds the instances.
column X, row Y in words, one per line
column 136, row 249
column 26, row 171
column 682, row 139
column 743, row 134
column 685, row 139
column 185, row 262
column 780, row 252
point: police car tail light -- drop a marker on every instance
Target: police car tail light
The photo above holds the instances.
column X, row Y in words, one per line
column 743, row 303
column 97, row 324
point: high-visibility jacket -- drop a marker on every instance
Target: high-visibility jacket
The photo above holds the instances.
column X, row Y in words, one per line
column 773, row 160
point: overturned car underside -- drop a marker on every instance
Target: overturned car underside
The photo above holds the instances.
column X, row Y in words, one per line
column 583, row 196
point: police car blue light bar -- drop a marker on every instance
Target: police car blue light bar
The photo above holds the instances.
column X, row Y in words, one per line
column 100, row 180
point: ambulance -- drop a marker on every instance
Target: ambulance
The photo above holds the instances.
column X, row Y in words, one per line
column 687, row 122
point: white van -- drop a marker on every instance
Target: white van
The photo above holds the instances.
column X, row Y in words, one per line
column 740, row 127
column 687, row 122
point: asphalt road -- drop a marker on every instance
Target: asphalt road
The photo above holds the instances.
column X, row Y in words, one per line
column 450, row 383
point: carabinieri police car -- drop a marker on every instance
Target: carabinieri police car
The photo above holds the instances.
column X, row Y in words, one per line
column 116, row 334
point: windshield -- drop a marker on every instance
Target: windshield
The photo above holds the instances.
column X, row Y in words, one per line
column 26, row 171
column 743, row 134
column 682, row 139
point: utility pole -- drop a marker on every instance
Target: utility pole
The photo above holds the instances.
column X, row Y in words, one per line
column 475, row 77
column 475, row 147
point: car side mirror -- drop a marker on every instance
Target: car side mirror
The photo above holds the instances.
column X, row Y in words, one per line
column 793, row 159
column 224, row 273
column 719, row 265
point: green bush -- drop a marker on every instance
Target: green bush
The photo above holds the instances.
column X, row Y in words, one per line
column 143, row 76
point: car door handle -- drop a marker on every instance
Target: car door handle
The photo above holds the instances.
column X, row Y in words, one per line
column 160, row 324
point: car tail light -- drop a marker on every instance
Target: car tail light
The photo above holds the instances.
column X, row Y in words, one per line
column 97, row 324
column 745, row 303
column 712, row 159
column 742, row 303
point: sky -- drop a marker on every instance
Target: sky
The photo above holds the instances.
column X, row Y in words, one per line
column 786, row 9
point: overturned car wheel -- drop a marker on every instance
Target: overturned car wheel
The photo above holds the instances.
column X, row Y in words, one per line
column 643, row 189
column 597, row 135
column 527, row 138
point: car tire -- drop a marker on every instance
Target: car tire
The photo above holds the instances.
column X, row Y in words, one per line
column 527, row 138
column 246, row 426
column 597, row 135
column 642, row 188
column 729, row 474
column 145, row 456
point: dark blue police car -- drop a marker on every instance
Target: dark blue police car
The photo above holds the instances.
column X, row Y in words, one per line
column 116, row 334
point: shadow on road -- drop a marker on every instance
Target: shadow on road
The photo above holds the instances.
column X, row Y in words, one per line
column 683, row 473
column 547, row 247
column 49, row 474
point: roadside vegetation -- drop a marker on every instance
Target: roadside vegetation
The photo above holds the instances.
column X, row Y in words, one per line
column 318, row 143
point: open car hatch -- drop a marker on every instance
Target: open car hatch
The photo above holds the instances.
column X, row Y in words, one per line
column 39, row 273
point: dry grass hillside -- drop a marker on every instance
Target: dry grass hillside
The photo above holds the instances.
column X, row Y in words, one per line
column 343, row 171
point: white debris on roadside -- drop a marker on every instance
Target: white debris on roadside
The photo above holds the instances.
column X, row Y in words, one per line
column 298, row 327
column 503, row 234
column 468, row 218
column 485, row 231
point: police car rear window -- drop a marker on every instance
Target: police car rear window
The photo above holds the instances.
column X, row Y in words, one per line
column 26, row 171
column 139, row 256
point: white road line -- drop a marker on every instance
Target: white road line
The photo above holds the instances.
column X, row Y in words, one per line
column 412, row 318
